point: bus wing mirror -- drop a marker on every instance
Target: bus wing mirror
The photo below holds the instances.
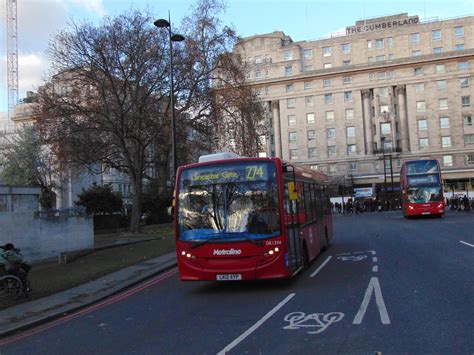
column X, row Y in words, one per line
column 292, row 192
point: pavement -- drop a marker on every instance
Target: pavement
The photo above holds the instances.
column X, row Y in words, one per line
column 30, row 314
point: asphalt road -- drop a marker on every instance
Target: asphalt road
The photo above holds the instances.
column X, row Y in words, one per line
column 385, row 285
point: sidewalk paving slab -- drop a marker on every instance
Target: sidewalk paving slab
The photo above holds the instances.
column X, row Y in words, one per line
column 29, row 314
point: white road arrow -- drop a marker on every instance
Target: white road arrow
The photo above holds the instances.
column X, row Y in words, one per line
column 374, row 287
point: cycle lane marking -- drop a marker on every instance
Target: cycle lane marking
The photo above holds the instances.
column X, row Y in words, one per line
column 254, row 327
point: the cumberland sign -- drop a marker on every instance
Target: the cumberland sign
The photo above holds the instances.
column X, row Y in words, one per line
column 362, row 27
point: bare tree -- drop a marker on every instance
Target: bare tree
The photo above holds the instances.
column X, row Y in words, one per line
column 104, row 105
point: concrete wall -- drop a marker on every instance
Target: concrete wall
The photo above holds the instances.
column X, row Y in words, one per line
column 40, row 235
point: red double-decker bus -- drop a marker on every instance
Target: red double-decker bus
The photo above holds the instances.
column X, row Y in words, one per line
column 422, row 188
column 249, row 218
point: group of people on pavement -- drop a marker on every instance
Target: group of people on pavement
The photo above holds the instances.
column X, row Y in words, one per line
column 458, row 203
column 364, row 205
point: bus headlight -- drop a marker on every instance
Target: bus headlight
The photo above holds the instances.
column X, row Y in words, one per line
column 411, row 207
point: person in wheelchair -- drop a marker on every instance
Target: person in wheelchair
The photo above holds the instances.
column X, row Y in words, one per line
column 13, row 264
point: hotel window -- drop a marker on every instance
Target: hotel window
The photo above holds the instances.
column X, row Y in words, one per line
column 389, row 42
column 443, row 104
column 327, row 65
column 288, row 55
column 290, row 103
column 464, row 82
column 440, row 68
column 312, row 152
column 470, row 159
column 444, row 122
column 345, row 63
column 469, row 139
column 420, row 106
column 436, row 35
column 381, row 75
column 385, row 128
column 380, row 58
column 423, row 142
column 291, row 120
column 329, row 115
column 308, row 85
column 328, row 98
column 466, row 101
column 331, row 133
column 288, row 70
column 352, row 166
column 383, row 92
column 332, row 150
column 258, row 59
column 308, row 67
column 418, row 71
column 349, row 113
column 467, row 120
column 310, row 118
column 415, row 37
column 326, row 51
column 447, row 160
column 420, row 87
column 313, row 167
column 311, row 135
column 459, row 47
column 327, row 83
column 463, row 65
column 258, row 74
column 458, row 31
column 391, row 74
column 351, row 132
column 371, row 59
column 441, row 84
column 293, row 154
column 346, row 48
column 415, row 53
column 351, row 149
column 292, row 137
column 332, row 168
column 369, row 45
column 391, row 56
column 267, row 90
column 438, row 50
column 446, row 142
column 384, row 108
column 347, row 80
column 422, row 125
column 347, row 96
column 309, row 101
column 379, row 43
column 290, row 88
column 308, row 54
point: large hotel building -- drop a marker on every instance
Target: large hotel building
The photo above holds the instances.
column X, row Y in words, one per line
column 392, row 87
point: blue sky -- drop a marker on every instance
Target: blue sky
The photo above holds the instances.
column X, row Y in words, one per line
column 38, row 20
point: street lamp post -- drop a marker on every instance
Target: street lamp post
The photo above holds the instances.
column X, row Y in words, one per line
column 172, row 38
column 384, row 173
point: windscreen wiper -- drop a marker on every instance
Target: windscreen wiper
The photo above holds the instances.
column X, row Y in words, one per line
column 202, row 242
column 254, row 241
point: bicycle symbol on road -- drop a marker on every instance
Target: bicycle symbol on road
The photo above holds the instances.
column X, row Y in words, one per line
column 321, row 321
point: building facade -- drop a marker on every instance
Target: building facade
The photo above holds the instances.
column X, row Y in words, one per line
column 391, row 89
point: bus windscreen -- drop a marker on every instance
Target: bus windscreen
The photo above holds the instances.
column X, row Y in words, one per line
column 422, row 167
column 229, row 202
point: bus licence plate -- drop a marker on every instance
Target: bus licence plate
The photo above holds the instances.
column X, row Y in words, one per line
column 228, row 277
column 425, row 212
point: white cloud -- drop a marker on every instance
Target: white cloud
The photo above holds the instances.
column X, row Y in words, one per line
column 32, row 69
column 92, row 5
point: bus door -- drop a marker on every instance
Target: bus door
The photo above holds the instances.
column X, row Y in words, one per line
column 292, row 224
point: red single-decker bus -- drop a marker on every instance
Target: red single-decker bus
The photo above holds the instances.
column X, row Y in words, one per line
column 422, row 188
column 249, row 218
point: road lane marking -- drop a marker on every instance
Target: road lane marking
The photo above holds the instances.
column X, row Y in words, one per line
column 321, row 321
column 471, row 245
column 375, row 268
column 256, row 325
column 374, row 259
column 320, row 267
column 352, row 258
column 374, row 287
